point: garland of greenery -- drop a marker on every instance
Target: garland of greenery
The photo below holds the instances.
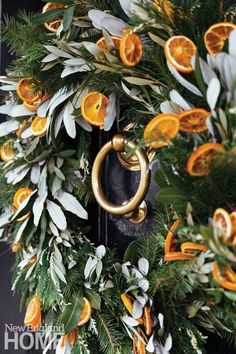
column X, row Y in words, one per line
column 167, row 287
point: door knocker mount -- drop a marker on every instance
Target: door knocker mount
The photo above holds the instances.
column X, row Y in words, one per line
column 134, row 209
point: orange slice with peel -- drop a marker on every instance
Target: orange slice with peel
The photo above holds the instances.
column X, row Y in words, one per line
column 131, row 48
column 86, row 313
column 55, row 23
column 7, row 151
column 200, row 162
column 16, row 247
column 222, row 221
column 39, row 126
column 101, row 43
column 233, row 225
column 33, row 313
column 20, row 196
column 26, row 90
column 178, row 256
column 189, row 247
column 170, row 239
column 147, row 320
column 138, row 344
column 161, row 129
column 225, row 278
column 179, row 51
column 93, row 108
column 216, row 36
column 193, row 120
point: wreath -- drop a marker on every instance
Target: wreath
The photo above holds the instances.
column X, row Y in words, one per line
column 169, row 68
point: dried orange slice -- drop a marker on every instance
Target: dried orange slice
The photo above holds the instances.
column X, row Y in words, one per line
column 222, row 221
column 138, row 344
column 216, row 36
column 233, row 225
column 101, row 43
column 179, row 51
column 39, row 126
column 26, row 90
column 16, row 247
column 7, row 151
column 131, row 48
column 33, row 313
column 164, row 7
column 128, row 303
column 199, row 163
column 193, row 120
column 22, row 128
column 147, row 320
column 55, row 23
column 86, row 313
column 226, row 278
column 178, row 256
column 189, row 247
column 93, row 108
column 20, row 196
column 30, row 107
column 170, row 239
column 161, row 129
column 71, row 337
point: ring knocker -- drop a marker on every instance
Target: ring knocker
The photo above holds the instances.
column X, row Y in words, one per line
column 134, row 209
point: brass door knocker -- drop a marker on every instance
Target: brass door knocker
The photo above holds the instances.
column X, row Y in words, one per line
column 134, row 209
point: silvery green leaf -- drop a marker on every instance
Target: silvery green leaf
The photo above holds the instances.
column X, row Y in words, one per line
column 110, row 112
column 100, row 251
column 130, row 321
column 53, row 228
column 207, row 72
column 29, row 271
column 150, row 346
column 4, row 218
column 137, row 274
column 69, row 70
column 19, row 110
column 141, row 299
column 59, row 173
column 203, row 278
column 183, row 81
column 58, row 122
column 179, row 100
column 23, row 205
column 38, row 208
column 114, row 25
column 170, row 107
column 20, row 231
column 168, row 343
column 99, row 267
column 49, row 58
column 143, row 284
column 161, row 320
column 8, row 127
column 223, row 119
column 60, row 162
column 90, row 266
column 26, row 133
column 57, row 52
column 229, row 72
column 232, row 43
column 84, row 124
column 43, row 108
column 125, row 269
column 96, row 16
column 156, row 39
column 59, row 274
column 207, row 268
column 6, row 80
column 210, row 126
column 8, row 87
column 137, row 310
column 11, row 175
column 20, row 176
column 143, row 265
column 70, row 203
column 75, row 62
column 7, row 108
column 138, row 81
column 57, row 215
column 77, row 99
column 69, row 120
column 93, row 48
column 60, row 97
column 213, row 92
column 35, row 173
column 56, row 185
column 42, row 183
column 221, row 131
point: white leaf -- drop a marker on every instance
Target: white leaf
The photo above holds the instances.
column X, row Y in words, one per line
column 38, row 208
column 99, row 267
column 53, row 228
column 69, row 120
column 19, row 110
column 232, row 43
column 8, row 127
column 183, row 81
column 143, row 284
column 70, row 203
column 90, row 266
column 43, row 108
column 113, row 25
column 58, row 122
column 100, row 251
column 110, row 112
column 207, row 72
column 138, row 81
column 26, row 133
column 7, row 108
column 143, row 265
column 170, row 107
column 92, row 48
column 84, row 124
column 35, row 173
column 213, row 92
column 137, row 310
column 60, row 97
column 150, row 346
column 56, row 185
column 56, row 215
column 58, row 52
column 179, row 100
column 69, row 70
column 168, row 343
column 75, row 62
column 49, row 57
column 20, row 176
column 59, row 173
column 130, row 321
column 20, row 231
column 8, row 88
column 161, row 319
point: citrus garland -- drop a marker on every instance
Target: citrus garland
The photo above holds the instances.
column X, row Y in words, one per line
column 110, row 68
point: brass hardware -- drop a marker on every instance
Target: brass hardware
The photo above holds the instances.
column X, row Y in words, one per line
column 135, row 209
